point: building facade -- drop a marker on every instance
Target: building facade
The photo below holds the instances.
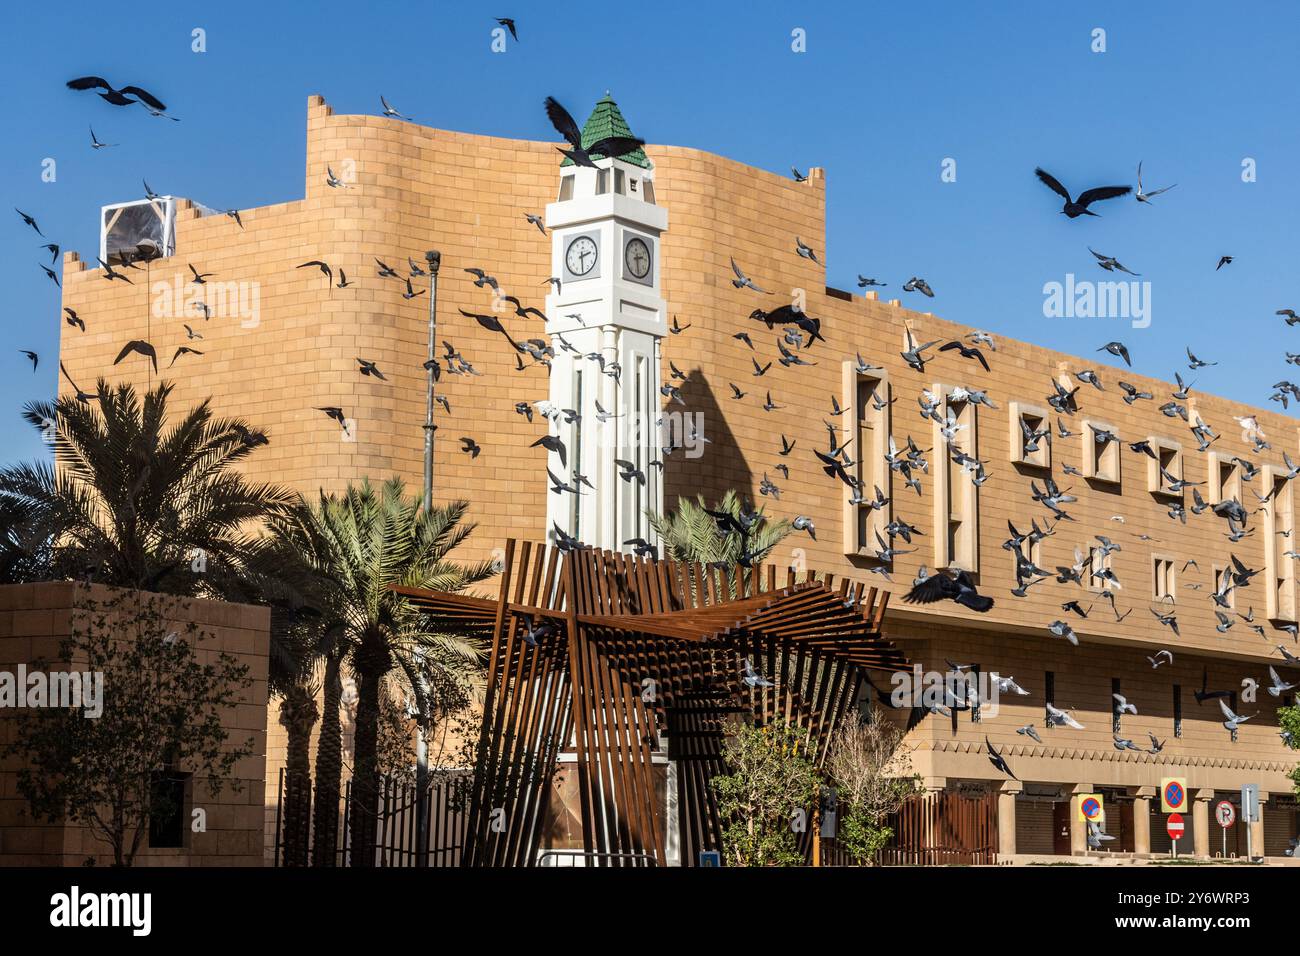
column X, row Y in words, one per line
column 642, row 247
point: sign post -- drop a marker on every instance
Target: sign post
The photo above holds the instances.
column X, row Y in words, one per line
column 1174, row 825
column 1226, row 814
column 1250, row 814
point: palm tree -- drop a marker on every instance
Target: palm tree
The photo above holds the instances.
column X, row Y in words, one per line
column 371, row 540
column 133, row 501
column 691, row 534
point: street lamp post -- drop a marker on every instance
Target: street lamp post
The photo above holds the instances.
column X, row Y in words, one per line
column 434, row 259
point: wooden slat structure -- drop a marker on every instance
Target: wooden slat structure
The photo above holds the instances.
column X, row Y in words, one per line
column 616, row 665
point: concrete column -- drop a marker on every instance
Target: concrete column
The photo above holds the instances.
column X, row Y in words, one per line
column 1142, row 798
column 1201, row 801
column 1257, row 829
column 1007, row 816
column 1078, row 829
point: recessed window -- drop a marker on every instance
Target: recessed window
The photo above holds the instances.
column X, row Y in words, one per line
column 602, row 182
column 620, row 181
column 867, row 425
column 1225, row 478
column 167, row 814
column 1031, row 436
column 956, row 494
column 1099, row 564
column 566, row 188
column 1279, row 530
column 1163, row 580
column 1165, row 468
column 648, row 191
column 1101, row 452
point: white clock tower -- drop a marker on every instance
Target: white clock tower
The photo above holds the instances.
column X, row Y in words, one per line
column 605, row 323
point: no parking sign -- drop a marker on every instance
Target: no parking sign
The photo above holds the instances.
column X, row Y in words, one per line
column 1173, row 794
column 1091, row 809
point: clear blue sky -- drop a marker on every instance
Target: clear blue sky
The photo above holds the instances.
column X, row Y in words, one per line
column 884, row 93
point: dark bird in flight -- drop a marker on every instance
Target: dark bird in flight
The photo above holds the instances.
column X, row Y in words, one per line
column 83, row 397
column 568, row 129
column 1076, row 208
column 1223, row 261
column 370, row 368
column 53, row 249
column 943, row 585
column 200, row 278
column 966, row 352
column 916, row 284
column 323, row 266
column 335, row 413
column 509, row 24
column 995, row 758
column 50, row 274
column 33, row 356
column 536, row 221
column 30, row 221
column 95, row 143
column 110, row 273
column 73, row 319
column 798, row 176
column 120, row 97
column 676, row 329
column 471, row 446
column 183, row 350
column 1118, row 349
column 144, row 348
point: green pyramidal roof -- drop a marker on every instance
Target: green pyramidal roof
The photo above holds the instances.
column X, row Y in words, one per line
column 607, row 120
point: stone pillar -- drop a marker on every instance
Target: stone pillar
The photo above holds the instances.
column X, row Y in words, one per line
column 1142, row 798
column 1201, row 800
column 1007, row 816
column 1257, row 829
column 1078, row 829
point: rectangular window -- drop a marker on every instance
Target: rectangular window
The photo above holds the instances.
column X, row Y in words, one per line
column 1116, row 717
column 866, row 420
column 167, row 814
column 1101, row 460
column 1225, row 478
column 602, row 182
column 1100, row 562
column 566, row 188
column 648, row 191
column 1163, row 580
column 1178, row 710
column 1223, row 581
column 1028, row 446
column 956, row 495
column 1165, row 468
column 1278, row 532
column 620, row 182
column 1049, row 692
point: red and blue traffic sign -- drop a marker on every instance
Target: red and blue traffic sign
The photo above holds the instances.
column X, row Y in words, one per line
column 1174, row 794
column 1091, row 808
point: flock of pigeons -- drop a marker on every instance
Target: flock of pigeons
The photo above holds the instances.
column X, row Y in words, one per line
column 798, row 334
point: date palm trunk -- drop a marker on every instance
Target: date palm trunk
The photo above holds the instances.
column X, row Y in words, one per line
column 329, row 767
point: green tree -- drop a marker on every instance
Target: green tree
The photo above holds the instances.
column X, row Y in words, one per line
column 132, row 500
column 162, row 714
column 771, row 782
column 691, row 534
column 872, row 773
column 1289, row 720
column 365, row 541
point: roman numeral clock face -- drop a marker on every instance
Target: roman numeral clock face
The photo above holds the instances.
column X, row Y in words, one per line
column 580, row 257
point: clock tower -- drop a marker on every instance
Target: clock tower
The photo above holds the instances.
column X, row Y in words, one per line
column 605, row 319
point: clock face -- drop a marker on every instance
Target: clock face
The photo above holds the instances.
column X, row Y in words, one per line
column 580, row 258
column 636, row 256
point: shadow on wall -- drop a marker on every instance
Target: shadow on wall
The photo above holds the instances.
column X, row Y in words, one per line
column 720, row 465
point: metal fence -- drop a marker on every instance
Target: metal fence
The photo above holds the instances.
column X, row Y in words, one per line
column 395, row 834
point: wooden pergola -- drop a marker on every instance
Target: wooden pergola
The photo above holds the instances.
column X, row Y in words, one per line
column 617, row 665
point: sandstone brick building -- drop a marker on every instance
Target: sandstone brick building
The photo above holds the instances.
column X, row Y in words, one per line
column 294, row 345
